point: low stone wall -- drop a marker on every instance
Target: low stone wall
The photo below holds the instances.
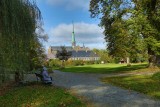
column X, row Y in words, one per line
column 6, row 77
column 10, row 77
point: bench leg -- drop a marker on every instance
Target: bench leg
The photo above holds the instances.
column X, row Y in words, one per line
column 37, row 78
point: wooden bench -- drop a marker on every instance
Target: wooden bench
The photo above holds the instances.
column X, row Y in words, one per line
column 40, row 77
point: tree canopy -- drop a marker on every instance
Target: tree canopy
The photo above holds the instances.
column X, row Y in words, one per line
column 130, row 26
column 63, row 55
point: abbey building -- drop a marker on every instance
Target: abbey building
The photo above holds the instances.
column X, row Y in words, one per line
column 78, row 52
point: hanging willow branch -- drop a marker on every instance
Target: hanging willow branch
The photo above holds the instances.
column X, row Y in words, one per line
column 18, row 21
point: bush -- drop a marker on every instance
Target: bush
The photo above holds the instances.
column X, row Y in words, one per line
column 78, row 62
column 55, row 63
column 97, row 62
column 89, row 62
column 49, row 70
column 156, row 76
column 129, row 65
column 69, row 63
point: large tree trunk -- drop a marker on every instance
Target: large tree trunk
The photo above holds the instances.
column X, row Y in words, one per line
column 63, row 64
column 151, row 58
column 17, row 77
column 152, row 61
column 128, row 61
column 3, row 77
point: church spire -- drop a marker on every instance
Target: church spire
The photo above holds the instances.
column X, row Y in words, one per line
column 73, row 37
column 73, row 26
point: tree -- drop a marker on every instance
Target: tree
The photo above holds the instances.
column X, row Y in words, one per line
column 128, row 20
column 152, row 11
column 37, row 55
column 104, row 55
column 63, row 55
column 19, row 20
column 37, row 51
column 112, row 20
column 143, row 19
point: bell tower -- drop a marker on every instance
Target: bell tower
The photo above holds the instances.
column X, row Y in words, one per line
column 73, row 37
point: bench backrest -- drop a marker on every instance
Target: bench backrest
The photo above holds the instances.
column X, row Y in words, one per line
column 39, row 75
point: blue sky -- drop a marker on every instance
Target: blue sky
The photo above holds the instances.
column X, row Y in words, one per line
column 58, row 16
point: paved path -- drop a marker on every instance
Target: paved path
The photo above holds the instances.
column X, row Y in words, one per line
column 102, row 95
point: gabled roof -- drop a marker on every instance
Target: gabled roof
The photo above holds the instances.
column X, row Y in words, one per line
column 68, row 48
column 83, row 54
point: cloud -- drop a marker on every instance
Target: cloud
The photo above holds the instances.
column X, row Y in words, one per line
column 70, row 4
column 89, row 34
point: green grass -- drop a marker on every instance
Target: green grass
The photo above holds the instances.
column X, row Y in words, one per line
column 142, row 83
column 39, row 96
column 105, row 68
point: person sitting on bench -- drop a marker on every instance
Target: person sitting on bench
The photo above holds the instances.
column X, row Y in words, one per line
column 46, row 78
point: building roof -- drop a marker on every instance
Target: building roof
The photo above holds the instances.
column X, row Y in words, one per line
column 76, row 52
column 68, row 48
column 83, row 53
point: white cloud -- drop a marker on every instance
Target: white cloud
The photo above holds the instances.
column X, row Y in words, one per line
column 89, row 34
column 70, row 4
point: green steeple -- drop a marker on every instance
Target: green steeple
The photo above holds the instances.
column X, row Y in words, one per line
column 73, row 37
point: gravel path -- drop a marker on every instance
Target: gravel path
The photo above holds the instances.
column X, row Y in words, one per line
column 102, row 95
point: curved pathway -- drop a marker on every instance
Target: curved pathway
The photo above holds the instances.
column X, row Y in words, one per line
column 100, row 94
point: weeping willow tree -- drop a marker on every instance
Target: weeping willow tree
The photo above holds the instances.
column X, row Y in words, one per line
column 18, row 21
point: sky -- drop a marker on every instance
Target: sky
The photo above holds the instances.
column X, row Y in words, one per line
column 58, row 16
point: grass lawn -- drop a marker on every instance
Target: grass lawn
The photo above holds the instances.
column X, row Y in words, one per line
column 140, row 83
column 36, row 95
column 105, row 68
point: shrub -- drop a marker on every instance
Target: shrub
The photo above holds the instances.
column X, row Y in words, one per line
column 97, row 62
column 89, row 62
column 156, row 76
column 78, row 62
column 129, row 65
column 50, row 70
column 69, row 63
column 55, row 63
